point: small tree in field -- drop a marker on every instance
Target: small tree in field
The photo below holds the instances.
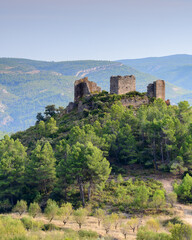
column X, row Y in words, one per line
column 133, row 223
column 107, row 222
column 115, row 219
column 65, row 212
column 124, row 229
column 172, row 198
column 20, row 207
column 99, row 214
column 51, row 210
column 34, row 209
column 80, row 216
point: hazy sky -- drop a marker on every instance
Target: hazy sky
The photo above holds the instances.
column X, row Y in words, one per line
column 94, row 29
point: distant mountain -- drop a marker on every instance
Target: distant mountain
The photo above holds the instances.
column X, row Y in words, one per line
column 27, row 86
column 176, row 69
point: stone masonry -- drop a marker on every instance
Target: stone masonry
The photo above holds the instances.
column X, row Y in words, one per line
column 156, row 89
column 84, row 87
column 122, row 84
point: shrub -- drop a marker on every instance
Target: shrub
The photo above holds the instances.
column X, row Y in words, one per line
column 158, row 198
column 172, row 198
column 153, row 224
column 142, row 196
column 181, row 232
column 31, row 224
column 174, row 221
column 86, row 234
column 144, row 234
column 50, row 227
column 11, row 228
column 184, row 190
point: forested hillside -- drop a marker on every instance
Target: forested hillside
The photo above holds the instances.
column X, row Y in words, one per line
column 98, row 162
column 155, row 136
column 27, row 86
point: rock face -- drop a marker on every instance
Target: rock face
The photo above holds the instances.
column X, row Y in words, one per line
column 84, row 87
column 122, row 84
column 156, row 89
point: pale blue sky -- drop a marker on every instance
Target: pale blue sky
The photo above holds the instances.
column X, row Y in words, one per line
column 94, row 29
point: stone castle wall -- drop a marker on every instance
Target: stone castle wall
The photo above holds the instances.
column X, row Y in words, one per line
column 84, row 87
column 156, row 89
column 122, row 84
column 118, row 85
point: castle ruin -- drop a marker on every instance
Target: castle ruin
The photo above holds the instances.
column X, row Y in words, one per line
column 84, row 87
column 156, row 89
column 122, row 84
column 118, row 85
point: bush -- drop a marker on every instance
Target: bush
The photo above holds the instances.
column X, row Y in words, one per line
column 174, row 221
column 50, row 227
column 184, row 190
column 144, row 234
column 31, row 224
column 181, row 232
column 11, row 228
column 172, row 198
column 86, row 234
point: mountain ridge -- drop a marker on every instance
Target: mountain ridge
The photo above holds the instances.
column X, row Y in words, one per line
column 27, row 86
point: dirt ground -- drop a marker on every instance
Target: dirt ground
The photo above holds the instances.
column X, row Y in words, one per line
column 90, row 224
column 183, row 211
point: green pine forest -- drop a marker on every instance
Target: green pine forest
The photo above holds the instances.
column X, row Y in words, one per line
column 97, row 163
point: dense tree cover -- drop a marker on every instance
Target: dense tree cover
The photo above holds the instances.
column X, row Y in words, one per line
column 64, row 156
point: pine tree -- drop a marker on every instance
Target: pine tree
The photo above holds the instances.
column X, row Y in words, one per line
column 41, row 173
column 12, row 167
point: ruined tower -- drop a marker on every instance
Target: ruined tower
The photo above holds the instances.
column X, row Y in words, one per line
column 84, row 87
column 122, row 84
column 156, row 89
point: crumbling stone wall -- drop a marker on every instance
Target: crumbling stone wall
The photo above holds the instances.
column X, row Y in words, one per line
column 84, row 87
column 156, row 89
column 122, row 84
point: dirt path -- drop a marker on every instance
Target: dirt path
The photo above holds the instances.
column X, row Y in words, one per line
column 183, row 211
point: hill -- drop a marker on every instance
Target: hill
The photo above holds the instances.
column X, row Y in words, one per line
column 27, row 86
column 176, row 69
column 115, row 155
